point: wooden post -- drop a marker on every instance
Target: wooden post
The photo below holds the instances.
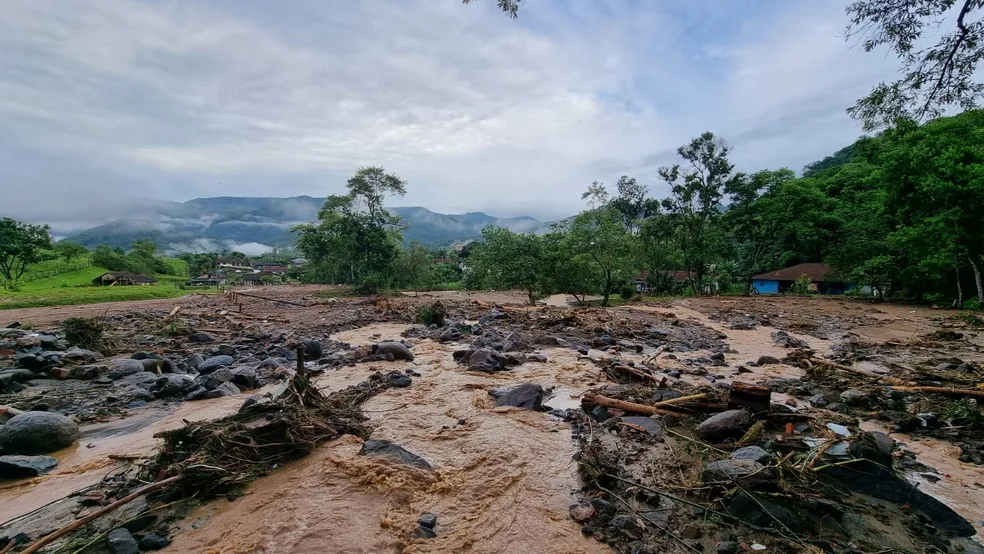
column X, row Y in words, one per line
column 300, row 361
column 754, row 398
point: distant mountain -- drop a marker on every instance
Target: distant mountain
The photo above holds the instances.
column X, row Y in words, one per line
column 253, row 225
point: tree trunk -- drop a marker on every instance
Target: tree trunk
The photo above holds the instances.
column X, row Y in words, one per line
column 608, row 288
column 959, row 291
column 529, row 294
column 977, row 280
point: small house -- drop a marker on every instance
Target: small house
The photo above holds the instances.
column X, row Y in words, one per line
column 257, row 278
column 821, row 276
column 207, row 280
column 232, row 262
column 298, row 262
column 677, row 279
column 123, row 278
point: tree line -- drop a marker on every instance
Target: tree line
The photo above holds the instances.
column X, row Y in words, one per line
column 898, row 212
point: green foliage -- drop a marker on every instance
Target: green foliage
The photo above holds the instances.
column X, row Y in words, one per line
column 69, row 251
column 627, row 292
column 802, row 286
column 415, row 267
column 934, row 78
column 509, row 260
column 199, row 263
column 605, row 246
column 21, row 244
column 433, row 314
column 357, row 240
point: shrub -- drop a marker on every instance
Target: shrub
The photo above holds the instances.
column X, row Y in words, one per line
column 432, row 315
column 627, row 292
column 802, row 286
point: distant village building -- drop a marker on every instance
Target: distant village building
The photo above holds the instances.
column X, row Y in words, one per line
column 298, row 262
column 257, row 278
column 208, row 280
column 123, row 278
column 231, row 262
column 270, row 267
column 821, row 280
column 641, row 281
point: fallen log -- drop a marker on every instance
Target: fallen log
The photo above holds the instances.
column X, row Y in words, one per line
column 637, row 372
column 681, row 399
column 625, row 406
column 48, row 539
column 754, row 398
column 950, row 391
column 857, row 371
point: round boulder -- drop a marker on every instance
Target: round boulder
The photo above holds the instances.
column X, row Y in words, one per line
column 33, row 433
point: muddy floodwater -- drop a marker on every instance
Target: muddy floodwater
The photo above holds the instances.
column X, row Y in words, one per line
column 503, row 483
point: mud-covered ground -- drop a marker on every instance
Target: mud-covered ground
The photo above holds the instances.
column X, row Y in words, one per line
column 568, row 475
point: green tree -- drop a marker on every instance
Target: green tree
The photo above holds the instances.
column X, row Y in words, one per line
column 600, row 235
column 933, row 78
column 416, row 267
column 509, row 260
column 696, row 194
column 509, row 7
column 199, row 263
column 752, row 221
column 568, row 270
column 69, row 251
column 357, row 240
column 21, row 244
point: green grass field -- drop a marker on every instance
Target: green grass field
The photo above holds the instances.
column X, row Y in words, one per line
column 73, row 287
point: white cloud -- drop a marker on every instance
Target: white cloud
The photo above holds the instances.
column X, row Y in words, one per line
column 183, row 99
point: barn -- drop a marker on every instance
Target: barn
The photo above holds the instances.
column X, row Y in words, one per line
column 123, row 278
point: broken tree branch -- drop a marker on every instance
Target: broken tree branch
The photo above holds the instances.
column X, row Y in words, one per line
column 48, row 539
column 632, row 407
column 950, row 391
column 270, row 299
column 857, row 371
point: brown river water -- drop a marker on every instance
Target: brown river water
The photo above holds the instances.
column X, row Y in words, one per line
column 503, row 483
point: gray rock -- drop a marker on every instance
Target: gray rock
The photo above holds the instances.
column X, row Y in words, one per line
column 754, row 453
column 154, row 542
column 150, row 364
column 20, row 467
column 743, row 472
column 767, row 360
column 659, row 395
column 120, row 541
column 425, row 532
column 18, row 374
column 213, row 363
column 225, row 389
column 168, row 366
column 201, row 338
column 9, row 384
column 142, row 394
column 37, row 433
column 651, row 426
column 725, row 424
column 142, row 379
column 86, row 372
column 398, row 350
column 402, row 381
column 197, row 393
column 274, row 362
column 818, row 401
column 80, row 355
column 30, row 361
column 226, row 350
column 194, row 360
column 548, row 340
column 245, row 378
column 128, row 366
column 727, row 547
column 427, row 520
column 211, row 381
column 485, row 360
column 393, row 451
column 537, row 357
column 312, row 350
column 528, row 396
column 854, row 397
column 172, row 384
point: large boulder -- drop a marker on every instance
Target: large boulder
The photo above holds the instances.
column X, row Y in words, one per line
column 20, row 467
column 141, row 379
column 393, row 451
column 128, row 366
column 754, row 453
column 211, row 381
column 30, row 361
column 225, row 389
column 213, row 363
column 726, row 424
column 201, row 338
column 172, row 384
column 312, row 350
column 742, row 472
column 398, row 350
column 33, row 433
column 194, row 360
column 485, row 360
column 245, row 378
column 528, row 396
column 88, row 371
column 120, row 541
column 80, row 355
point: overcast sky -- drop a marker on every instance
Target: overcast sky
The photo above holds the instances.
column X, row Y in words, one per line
column 103, row 102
